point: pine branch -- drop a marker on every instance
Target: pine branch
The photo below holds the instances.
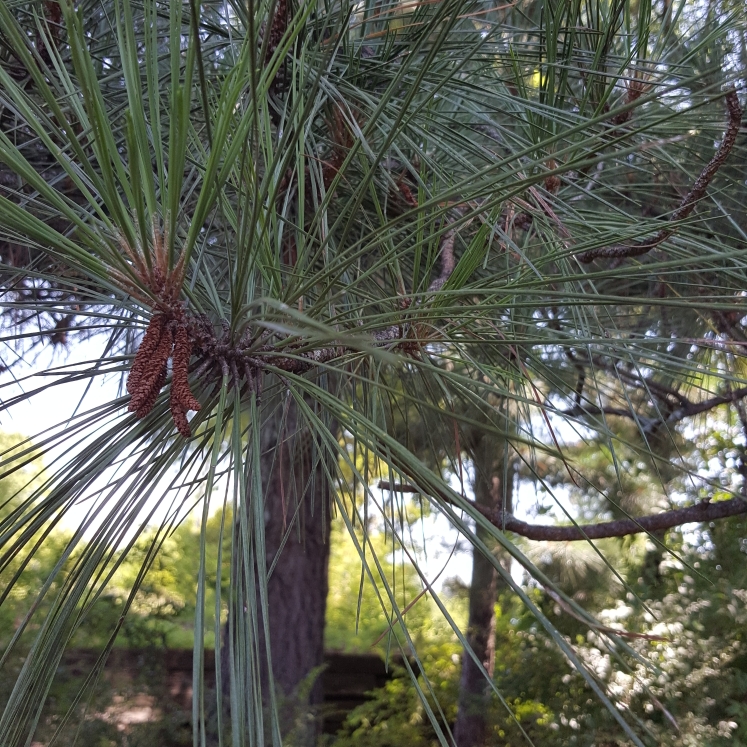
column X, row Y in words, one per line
column 686, row 409
column 703, row 511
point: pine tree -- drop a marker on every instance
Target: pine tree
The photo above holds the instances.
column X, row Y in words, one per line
column 297, row 221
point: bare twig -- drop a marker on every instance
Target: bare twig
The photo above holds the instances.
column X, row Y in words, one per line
column 704, row 511
column 686, row 409
column 447, row 261
column 634, row 88
column 688, row 201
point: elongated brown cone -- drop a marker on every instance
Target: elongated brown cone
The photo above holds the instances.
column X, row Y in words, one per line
column 180, row 391
column 150, row 401
column 179, row 414
column 151, row 371
column 147, row 348
column 277, row 27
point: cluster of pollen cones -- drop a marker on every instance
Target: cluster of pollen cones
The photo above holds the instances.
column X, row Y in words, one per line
column 163, row 339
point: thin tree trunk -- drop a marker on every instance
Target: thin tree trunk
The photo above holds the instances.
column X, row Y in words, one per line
column 492, row 490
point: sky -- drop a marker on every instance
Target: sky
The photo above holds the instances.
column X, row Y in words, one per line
column 57, row 403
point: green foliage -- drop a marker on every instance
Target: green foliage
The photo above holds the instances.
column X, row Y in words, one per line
column 396, row 714
column 356, row 620
column 696, row 679
column 165, row 605
column 687, row 688
column 162, row 611
column 531, row 679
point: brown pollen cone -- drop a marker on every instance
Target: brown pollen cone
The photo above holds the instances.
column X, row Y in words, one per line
column 277, row 27
column 150, row 400
column 179, row 414
column 180, row 391
column 151, row 371
column 341, row 142
column 147, row 348
column 552, row 183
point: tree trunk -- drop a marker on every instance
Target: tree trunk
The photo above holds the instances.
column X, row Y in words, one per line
column 493, row 490
column 297, row 510
column 296, row 506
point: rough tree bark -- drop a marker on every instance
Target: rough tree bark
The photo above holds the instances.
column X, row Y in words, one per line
column 297, row 511
column 493, row 489
column 297, row 505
